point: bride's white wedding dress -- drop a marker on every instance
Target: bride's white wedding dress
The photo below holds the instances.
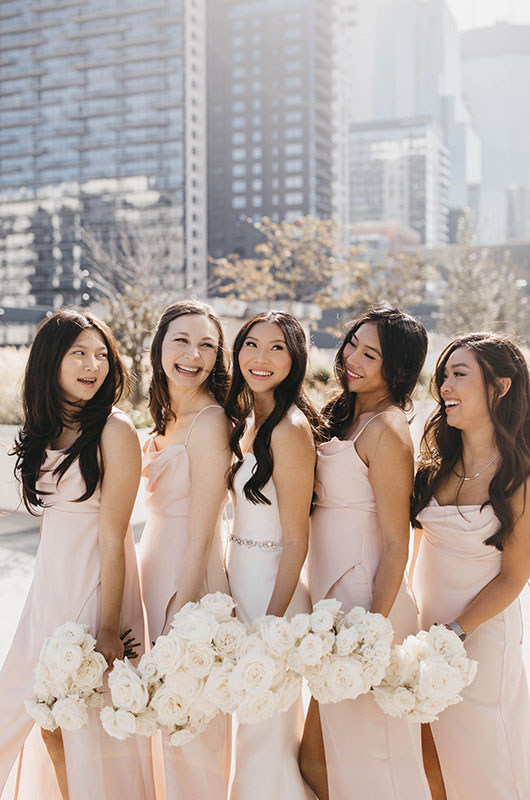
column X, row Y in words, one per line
column 266, row 754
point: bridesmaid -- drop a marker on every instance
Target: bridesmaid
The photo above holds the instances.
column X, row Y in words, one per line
column 272, row 485
column 471, row 507
column 185, row 461
column 75, row 455
column 358, row 549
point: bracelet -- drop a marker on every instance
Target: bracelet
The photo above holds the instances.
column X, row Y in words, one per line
column 460, row 632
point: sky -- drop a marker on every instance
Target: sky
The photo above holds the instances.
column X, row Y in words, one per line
column 481, row 13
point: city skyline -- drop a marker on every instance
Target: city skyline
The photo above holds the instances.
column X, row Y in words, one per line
column 484, row 13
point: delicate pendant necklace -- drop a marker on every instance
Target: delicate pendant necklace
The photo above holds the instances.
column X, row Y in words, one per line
column 472, row 477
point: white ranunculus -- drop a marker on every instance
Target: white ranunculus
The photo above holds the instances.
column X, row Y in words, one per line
column 42, row 715
column 253, row 673
column 300, row 625
column 288, row 691
column 252, row 644
column 125, row 721
column 219, row 604
column 217, row 689
column 108, row 721
column 89, row 675
column 330, row 604
column 70, row 713
column 127, row 688
column 322, row 621
column 310, row 650
column 197, row 626
column 146, row 724
column 438, row 680
column 148, row 668
column 183, row 684
column 170, row 709
column 256, row 708
column 167, row 653
column 396, row 702
column 183, row 736
column 276, row 634
column 345, row 679
column 229, row 636
column 199, row 658
column 201, row 712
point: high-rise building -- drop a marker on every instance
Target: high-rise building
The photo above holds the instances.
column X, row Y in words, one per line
column 399, row 172
column 518, row 213
column 102, row 121
column 406, row 64
column 271, row 116
column 496, row 65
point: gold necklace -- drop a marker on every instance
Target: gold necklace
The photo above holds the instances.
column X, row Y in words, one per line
column 472, row 477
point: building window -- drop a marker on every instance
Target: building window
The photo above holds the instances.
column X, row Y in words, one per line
column 294, row 182
column 238, row 122
column 294, row 149
column 293, row 165
column 257, row 200
column 238, row 170
column 257, row 120
column 257, row 152
column 256, row 104
column 256, row 136
column 239, row 138
column 257, row 168
column 239, row 202
column 294, row 82
column 238, row 106
column 238, row 88
column 293, row 116
column 239, row 186
column 239, row 154
column 294, row 198
column 238, row 56
column 257, row 185
column 296, row 132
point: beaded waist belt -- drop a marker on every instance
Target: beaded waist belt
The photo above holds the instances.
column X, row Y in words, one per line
column 255, row 543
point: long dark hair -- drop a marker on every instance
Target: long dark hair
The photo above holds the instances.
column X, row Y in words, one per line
column 240, row 402
column 441, row 445
column 217, row 381
column 404, row 347
column 46, row 411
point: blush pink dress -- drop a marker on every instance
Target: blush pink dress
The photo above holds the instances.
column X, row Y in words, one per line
column 368, row 754
column 67, row 586
column 266, row 754
column 483, row 742
column 200, row 769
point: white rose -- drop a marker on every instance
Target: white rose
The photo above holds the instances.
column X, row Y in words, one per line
column 378, row 629
column 288, row 691
column 317, row 676
column 356, row 617
column 252, row 644
column 148, row 669
column 345, row 678
column 300, row 624
column 321, row 693
column 146, row 724
column 253, row 673
column 276, row 634
column 42, row 715
column 217, row 689
column 280, row 671
column 442, row 641
column 43, row 683
column 310, row 650
column 64, row 658
column 127, row 688
column 219, row 604
column 256, row 708
column 331, row 604
column 108, row 721
column 167, row 653
column 89, row 675
column 199, row 659
column 181, row 737
column 170, row 709
column 322, row 620
column 182, row 684
column 398, row 669
column 438, row 680
column 94, row 700
column 397, row 702
column 346, row 641
column 197, row 626
column 201, row 712
column 73, row 633
column 229, row 636
column 87, row 644
column 328, row 642
column 70, row 713
column 125, row 721
column 466, row 667
column 295, row 663
column 186, row 609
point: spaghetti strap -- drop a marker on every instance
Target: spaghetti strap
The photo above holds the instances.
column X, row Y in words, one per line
column 196, row 417
column 366, row 425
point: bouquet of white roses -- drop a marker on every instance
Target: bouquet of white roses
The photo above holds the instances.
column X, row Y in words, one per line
column 340, row 655
column 426, row 675
column 68, row 674
column 183, row 683
column 261, row 681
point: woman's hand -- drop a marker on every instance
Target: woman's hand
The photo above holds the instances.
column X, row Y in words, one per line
column 109, row 645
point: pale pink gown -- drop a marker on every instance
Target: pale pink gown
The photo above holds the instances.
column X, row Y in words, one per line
column 266, row 754
column 67, row 586
column 483, row 742
column 368, row 754
column 200, row 769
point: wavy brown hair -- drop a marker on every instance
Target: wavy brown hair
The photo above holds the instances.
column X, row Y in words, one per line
column 217, row 380
column 240, row 401
column 441, row 445
column 46, row 410
column 403, row 347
